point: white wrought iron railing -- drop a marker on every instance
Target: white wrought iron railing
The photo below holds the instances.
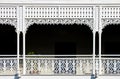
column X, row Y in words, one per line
column 8, row 64
column 60, row 65
column 110, row 65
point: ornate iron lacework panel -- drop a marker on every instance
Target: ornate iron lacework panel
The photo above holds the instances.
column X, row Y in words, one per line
column 8, row 12
column 110, row 66
column 58, row 66
column 109, row 21
column 110, row 12
column 10, row 21
column 88, row 22
column 65, row 66
column 59, row 12
column 8, row 66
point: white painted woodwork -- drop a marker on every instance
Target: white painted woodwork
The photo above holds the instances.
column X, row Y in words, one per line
column 96, row 14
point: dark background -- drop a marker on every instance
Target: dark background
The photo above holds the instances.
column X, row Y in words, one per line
column 60, row 39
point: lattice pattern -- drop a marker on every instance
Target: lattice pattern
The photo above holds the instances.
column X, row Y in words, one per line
column 8, row 12
column 65, row 66
column 79, row 12
column 39, row 66
column 8, row 66
column 84, row 66
column 59, row 12
column 58, row 66
column 110, row 12
column 44, row 12
column 110, row 66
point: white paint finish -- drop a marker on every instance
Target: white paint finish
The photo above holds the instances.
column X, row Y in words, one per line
column 18, row 50
column 8, row 66
column 100, row 38
column 110, row 66
column 61, row 1
column 56, row 77
column 24, row 40
column 59, row 77
column 59, row 12
column 33, row 14
column 24, row 15
column 8, row 77
column 24, row 50
column 8, row 12
column 94, row 34
column 108, row 77
column 110, row 12
column 20, row 18
column 43, row 66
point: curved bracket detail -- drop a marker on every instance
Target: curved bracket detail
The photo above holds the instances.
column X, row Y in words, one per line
column 65, row 21
column 9, row 21
column 109, row 21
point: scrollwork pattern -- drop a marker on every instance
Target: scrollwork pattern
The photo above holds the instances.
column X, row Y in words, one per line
column 65, row 21
column 109, row 21
column 8, row 21
column 8, row 66
column 58, row 66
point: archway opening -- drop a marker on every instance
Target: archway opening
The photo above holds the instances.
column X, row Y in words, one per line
column 8, row 40
column 111, row 39
column 59, row 39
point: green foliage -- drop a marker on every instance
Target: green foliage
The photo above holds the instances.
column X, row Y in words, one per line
column 30, row 53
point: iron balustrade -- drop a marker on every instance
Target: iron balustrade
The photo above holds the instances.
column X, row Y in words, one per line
column 60, row 65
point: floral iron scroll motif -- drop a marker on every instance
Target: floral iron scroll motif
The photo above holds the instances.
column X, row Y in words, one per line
column 11, row 21
column 109, row 21
column 88, row 22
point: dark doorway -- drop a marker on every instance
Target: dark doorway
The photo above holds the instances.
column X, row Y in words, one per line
column 8, row 40
column 111, row 39
column 59, row 39
column 68, row 48
column 112, row 48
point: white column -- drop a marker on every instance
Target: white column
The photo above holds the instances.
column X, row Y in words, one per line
column 18, row 40
column 18, row 50
column 24, row 39
column 100, row 63
column 94, row 34
column 24, row 61
column 100, row 36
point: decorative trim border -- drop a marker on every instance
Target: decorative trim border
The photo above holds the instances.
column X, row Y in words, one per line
column 9, row 21
column 109, row 21
column 65, row 21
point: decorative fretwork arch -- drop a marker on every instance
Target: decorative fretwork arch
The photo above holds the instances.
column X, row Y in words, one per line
column 106, row 22
column 8, row 15
column 88, row 22
column 12, row 22
column 109, row 15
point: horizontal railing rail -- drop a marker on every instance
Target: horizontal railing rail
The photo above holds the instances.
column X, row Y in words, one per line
column 59, row 55
column 60, row 64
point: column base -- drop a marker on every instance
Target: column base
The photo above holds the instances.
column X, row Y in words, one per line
column 18, row 74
